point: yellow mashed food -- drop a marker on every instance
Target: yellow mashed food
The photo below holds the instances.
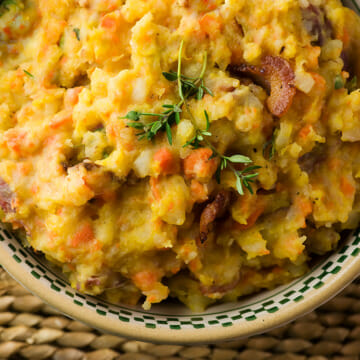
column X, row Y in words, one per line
column 248, row 167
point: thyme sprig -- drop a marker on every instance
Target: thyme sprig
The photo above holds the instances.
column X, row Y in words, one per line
column 199, row 136
column 244, row 177
column 192, row 88
column 163, row 122
column 188, row 88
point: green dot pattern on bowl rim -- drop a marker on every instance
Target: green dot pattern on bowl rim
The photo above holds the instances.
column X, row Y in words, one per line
column 263, row 304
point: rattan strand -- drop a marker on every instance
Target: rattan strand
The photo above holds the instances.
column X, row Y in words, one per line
column 29, row 329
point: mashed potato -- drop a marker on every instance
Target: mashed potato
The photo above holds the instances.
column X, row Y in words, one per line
column 255, row 170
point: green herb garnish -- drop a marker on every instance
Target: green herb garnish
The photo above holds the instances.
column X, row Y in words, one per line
column 269, row 148
column 29, row 74
column 62, row 41
column 191, row 88
column 188, row 89
column 244, row 177
column 77, row 33
column 351, row 85
column 339, row 82
column 199, row 136
column 163, row 122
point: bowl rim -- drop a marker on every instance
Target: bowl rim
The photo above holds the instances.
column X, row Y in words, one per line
column 313, row 298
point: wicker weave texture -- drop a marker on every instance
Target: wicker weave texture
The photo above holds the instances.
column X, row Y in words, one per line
column 29, row 329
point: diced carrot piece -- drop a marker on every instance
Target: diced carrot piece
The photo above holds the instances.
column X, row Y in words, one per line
column 165, row 162
column 83, row 236
column 211, row 25
column 145, row 280
column 72, row 96
column 305, row 131
column 34, row 189
column 195, row 265
column 305, row 206
column 154, row 189
column 7, row 31
column 345, row 38
column 198, row 191
column 347, row 188
column 25, row 168
column 53, row 31
column 251, row 220
column 313, row 53
column 175, row 269
column 277, row 270
column 97, row 246
column 319, row 80
column 209, row 5
column 14, row 138
column 60, row 120
column 108, row 22
column 198, row 164
column 334, row 163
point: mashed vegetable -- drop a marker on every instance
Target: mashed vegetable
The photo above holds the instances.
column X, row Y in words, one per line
column 141, row 219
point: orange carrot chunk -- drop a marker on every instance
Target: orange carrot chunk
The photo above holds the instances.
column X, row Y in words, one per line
column 145, row 280
column 211, row 25
column 251, row 219
column 346, row 187
column 199, row 164
column 165, row 162
column 83, row 236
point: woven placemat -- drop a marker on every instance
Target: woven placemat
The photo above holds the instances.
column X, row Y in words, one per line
column 29, row 329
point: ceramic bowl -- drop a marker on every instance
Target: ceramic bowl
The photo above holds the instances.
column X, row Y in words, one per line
column 173, row 323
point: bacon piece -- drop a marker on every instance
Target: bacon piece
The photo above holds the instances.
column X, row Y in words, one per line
column 276, row 76
column 6, row 195
column 213, row 211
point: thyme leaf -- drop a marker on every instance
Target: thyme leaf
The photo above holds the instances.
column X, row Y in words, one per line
column 77, row 33
column 29, row 74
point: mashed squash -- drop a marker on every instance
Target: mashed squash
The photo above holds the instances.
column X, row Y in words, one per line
column 198, row 149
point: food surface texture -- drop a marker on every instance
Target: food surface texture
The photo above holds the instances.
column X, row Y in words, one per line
column 195, row 149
